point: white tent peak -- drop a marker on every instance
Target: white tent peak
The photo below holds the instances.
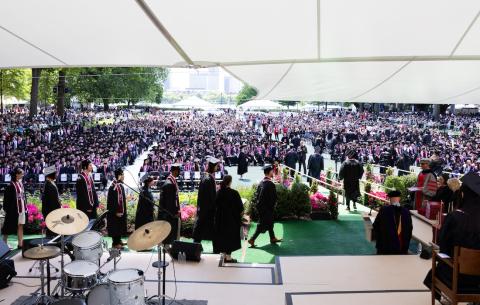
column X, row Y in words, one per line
column 261, row 104
column 194, row 102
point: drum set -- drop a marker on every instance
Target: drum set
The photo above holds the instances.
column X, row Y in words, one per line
column 81, row 281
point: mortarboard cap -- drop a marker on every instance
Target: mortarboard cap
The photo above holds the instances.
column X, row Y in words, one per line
column 472, row 181
column 394, row 193
column 49, row 170
column 267, row 168
column 175, row 166
column 213, row 160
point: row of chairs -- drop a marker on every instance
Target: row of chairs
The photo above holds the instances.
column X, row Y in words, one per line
column 32, row 182
column 187, row 181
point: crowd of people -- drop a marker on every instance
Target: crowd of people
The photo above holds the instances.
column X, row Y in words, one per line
column 237, row 139
column 64, row 142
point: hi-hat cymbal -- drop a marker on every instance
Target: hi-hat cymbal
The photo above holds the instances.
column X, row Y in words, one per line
column 66, row 221
column 149, row 235
column 42, row 252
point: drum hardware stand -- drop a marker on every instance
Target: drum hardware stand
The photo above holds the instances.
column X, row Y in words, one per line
column 162, row 268
column 60, row 282
column 115, row 254
column 42, row 298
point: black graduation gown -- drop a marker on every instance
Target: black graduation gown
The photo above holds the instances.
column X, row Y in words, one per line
column 169, row 202
column 385, row 228
column 242, row 164
column 116, row 226
column 10, row 224
column 351, row 172
column 267, row 199
column 82, row 198
column 144, row 212
column 50, row 201
column 204, row 222
column 315, row 165
column 291, row 159
column 228, row 214
column 444, row 194
column 459, row 229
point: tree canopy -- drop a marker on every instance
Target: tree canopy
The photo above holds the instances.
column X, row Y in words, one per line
column 15, row 83
column 246, row 94
column 117, row 84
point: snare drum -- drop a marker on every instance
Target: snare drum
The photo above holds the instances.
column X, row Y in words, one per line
column 126, row 287
column 80, row 275
column 100, row 295
column 88, row 246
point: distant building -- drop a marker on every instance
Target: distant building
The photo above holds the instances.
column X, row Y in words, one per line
column 208, row 79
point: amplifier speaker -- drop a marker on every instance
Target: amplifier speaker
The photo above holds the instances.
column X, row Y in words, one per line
column 193, row 251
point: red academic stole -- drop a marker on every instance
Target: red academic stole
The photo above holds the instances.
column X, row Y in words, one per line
column 19, row 194
column 89, row 183
column 119, row 190
column 172, row 179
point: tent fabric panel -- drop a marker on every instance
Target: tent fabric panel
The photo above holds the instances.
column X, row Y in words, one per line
column 393, row 28
column 16, row 53
column 249, row 30
column 319, row 81
column 429, row 82
column 89, row 32
column 471, row 43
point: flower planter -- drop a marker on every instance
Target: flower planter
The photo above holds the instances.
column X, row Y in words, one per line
column 320, row 215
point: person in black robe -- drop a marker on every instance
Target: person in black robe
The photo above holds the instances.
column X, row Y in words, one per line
column 104, row 170
column 169, row 203
column 302, row 157
column 444, row 193
column 50, row 196
column 87, row 199
column 204, row 222
column 461, row 228
column 393, row 227
column 228, row 220
column 14, row 205
column 145, row 211
column 242, row 161
column 117, row 210
column 291, row 159
column 266, row 201
column 315, row 163
column 351, row 172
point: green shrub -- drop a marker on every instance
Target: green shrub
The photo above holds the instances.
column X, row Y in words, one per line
column 300, row 199
column 251, row 208
column 284, row 208
column 401, row 184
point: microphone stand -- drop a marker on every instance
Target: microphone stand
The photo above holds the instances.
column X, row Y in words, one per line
column 161, row 264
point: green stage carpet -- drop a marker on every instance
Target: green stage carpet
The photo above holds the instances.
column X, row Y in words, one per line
column 346, row 236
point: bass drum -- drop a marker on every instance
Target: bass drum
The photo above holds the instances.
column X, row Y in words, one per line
column 88, row 246
column 100, row 295
column 80, row 275
column 126, row 287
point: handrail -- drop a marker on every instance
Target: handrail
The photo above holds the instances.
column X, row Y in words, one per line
column 376, row 197
column 373, row 183
column 318, row 180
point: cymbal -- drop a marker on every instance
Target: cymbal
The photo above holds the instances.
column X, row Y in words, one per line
column 149, row 235
column 42, row 252
column 66, row 221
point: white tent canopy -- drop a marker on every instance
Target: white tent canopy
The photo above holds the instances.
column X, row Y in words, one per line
column 260, row 104
column 331, row 50
column 194, row 102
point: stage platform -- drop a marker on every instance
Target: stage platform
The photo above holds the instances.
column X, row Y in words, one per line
column 292, row 280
